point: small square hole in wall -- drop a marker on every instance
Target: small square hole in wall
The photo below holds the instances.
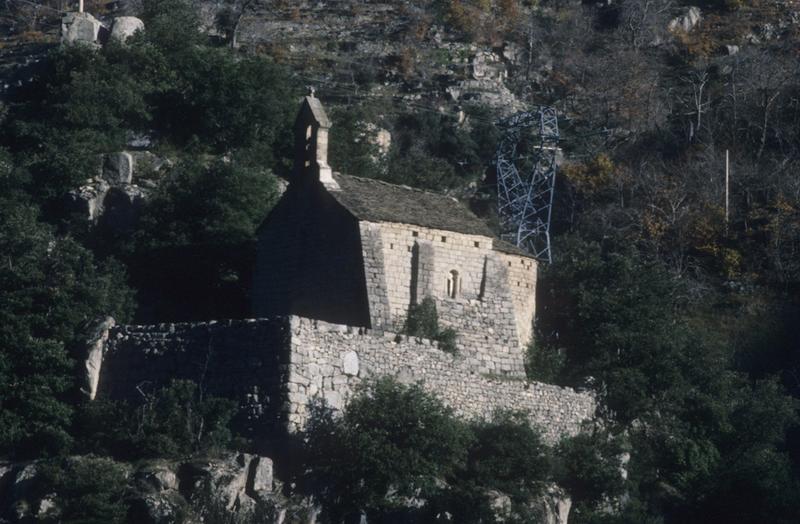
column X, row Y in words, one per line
column 477, row 244
column 409, row 249
column 391, row 246
column 444, row 239
column 414, row 233
column 509, row 263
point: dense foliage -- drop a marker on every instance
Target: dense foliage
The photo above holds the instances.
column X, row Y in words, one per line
column 89, row 490
column 396, row 444
column 393, row 442
column 51, row 289
column 174, row 421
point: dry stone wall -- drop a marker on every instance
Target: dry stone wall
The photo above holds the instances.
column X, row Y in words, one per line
column 328, row 361
column 245, row 360
column 275, row 367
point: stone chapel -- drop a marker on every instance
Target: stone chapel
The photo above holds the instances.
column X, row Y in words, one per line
column 340, row 260
column 359, row 252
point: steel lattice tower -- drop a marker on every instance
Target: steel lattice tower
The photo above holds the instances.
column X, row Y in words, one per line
column 526, row 179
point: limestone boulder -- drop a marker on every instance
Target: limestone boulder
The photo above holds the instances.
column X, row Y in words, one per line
column 487, row 65
column 118, row 168
column 350, row 363
column 48, row 508
column 234, row 482
column 82, row 28
column 262, row 474
column 690, row 19
column 553, row 506
column 87, row 200
column 500, row 504
column 166, row 507
column 125, row 27
column 156, row 476
column 94, row 356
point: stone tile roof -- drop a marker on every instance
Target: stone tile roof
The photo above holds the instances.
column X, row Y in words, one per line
column 511, row 249
column 377, row 201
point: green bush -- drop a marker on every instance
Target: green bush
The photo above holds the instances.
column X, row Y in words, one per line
column 507, row 456
column 51, row 290
column 167, row 83
column 423, row 321
column 392, row 442
column 544, row 363
column 88, row 490
column 174, row 421
column 588, row 467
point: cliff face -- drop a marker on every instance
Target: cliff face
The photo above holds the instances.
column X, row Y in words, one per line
column 399, row 51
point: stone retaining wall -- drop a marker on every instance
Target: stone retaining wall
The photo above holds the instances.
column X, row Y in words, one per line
column 244, row 360
column 329, row 360
column 274, row 367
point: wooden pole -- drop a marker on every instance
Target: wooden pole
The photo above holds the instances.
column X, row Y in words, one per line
column 727, row 187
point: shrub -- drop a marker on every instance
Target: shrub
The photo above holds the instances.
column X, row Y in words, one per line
column 174, row 421
column 50, row 288
column 544, row 363
column 507, row 458
column 88, row 490
column 393, row 442
column 423, row 321
column 588, row 467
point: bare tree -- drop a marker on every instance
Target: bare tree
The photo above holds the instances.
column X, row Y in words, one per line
column 644, row 22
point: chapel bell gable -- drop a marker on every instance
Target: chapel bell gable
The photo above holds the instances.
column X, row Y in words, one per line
column 311, row 143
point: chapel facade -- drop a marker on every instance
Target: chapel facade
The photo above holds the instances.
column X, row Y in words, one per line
column 359, row 252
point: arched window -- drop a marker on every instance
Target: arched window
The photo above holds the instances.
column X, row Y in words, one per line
column 453, row 284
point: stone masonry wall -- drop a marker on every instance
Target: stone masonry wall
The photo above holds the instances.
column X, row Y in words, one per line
column 245, row 360
column 521, row 274
column 452, row 251
column 492, row 311
column 274, row 367
column 329, row 360
column 309, row 260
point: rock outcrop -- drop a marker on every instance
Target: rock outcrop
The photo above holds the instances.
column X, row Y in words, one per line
column 82, row 28
column 94, row 356
column 115, row 196
column 125, row 27
column 687, row 21
column 232, row 486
